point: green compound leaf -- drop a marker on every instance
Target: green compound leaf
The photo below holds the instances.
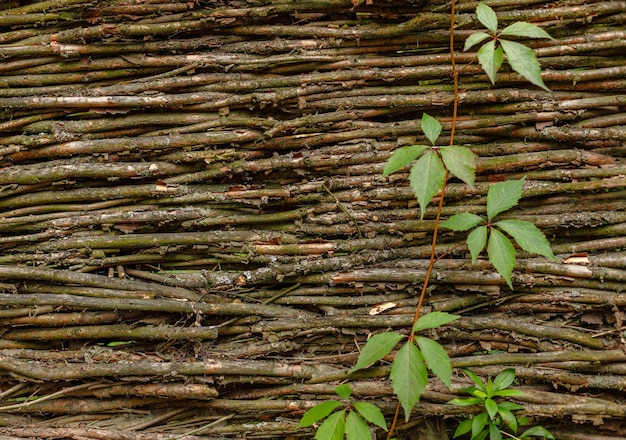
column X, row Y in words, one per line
column 356, row 428
column 433, row 320
column 503, row 196
column 487, row 17
column 525, row 29
column 504, row 379
column 502, row 255
column 431, row 128
column 523, row 60
column 333, row 427
column 344, row 391
column 376, row 348
column 474, row 39
column 537, row 431
column 427, row 177
column 408, row 377
column 462, row 222
column 490, row 58
column 492, row 408
column 437, row 360
column 528, row 236
column 460, row 162
column 371, row 413
column 476, row 241
column 318, row 412
column 403, row 157
column 464, row 427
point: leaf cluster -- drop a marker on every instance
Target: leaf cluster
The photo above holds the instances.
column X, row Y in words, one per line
column 350, row 421
column 497, row 415
column 409, row 370
column 501, row 197
column 520, row 57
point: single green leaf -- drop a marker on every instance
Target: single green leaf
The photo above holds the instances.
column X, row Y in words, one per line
column 502, row 255
column 344, row 391
column 333, row 427
column 476, row 241
column 464, row 427
column 478, row 423
column 437, row 360
column 462, row 221
column 318, row 412
column 503, row 196
column 537, row 431
column 474, row 377
column 460, row 162
column 408, row 377
column 523, row 421
column 528, row 236
column 490, row 59
column 492, row 408
column 525, row 29
column 403, row 157
column 433, row 320
column 376, row 348
column 431, row 128
column 356, row 428
column 504, row 379
column 481, row 435
column 371, row 413
column 494, row 432
column 474, row 39
column 487, row 17
column 427, row 177
column 508, row 418
column 508, row 393
column 524, row 61
column 466, row 401
column 511, row 406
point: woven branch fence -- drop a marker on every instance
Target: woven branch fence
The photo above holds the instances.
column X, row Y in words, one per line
column 196, row 240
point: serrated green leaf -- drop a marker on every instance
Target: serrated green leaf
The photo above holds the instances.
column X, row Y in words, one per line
column 468, row 401
column 523, row 60
column 476, row 241
column 525, row 29
column 490, row 59
column 537, row 431
column 508, row 393
column 503, row 196
column 464, row 427
column 460, row 162
column 403, row 157
column 437, row 360
column 427, row 177
column 371, row 413
column 502, row 255
column 528, row 236
column 508, row 418
column 487, row 17
column 431, row 128
column 474, row 39
column 408, row 377
column 492, row 408
column 494, row 432
column 461, row 222
column 318, row 412
column 478, row 423
column 344, row 391
column 433, row 320
column 333, row 427
column 504, row 379
column 376, row 348
column 356, row 428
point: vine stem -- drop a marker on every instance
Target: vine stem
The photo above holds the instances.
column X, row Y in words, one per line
column 433, row 256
